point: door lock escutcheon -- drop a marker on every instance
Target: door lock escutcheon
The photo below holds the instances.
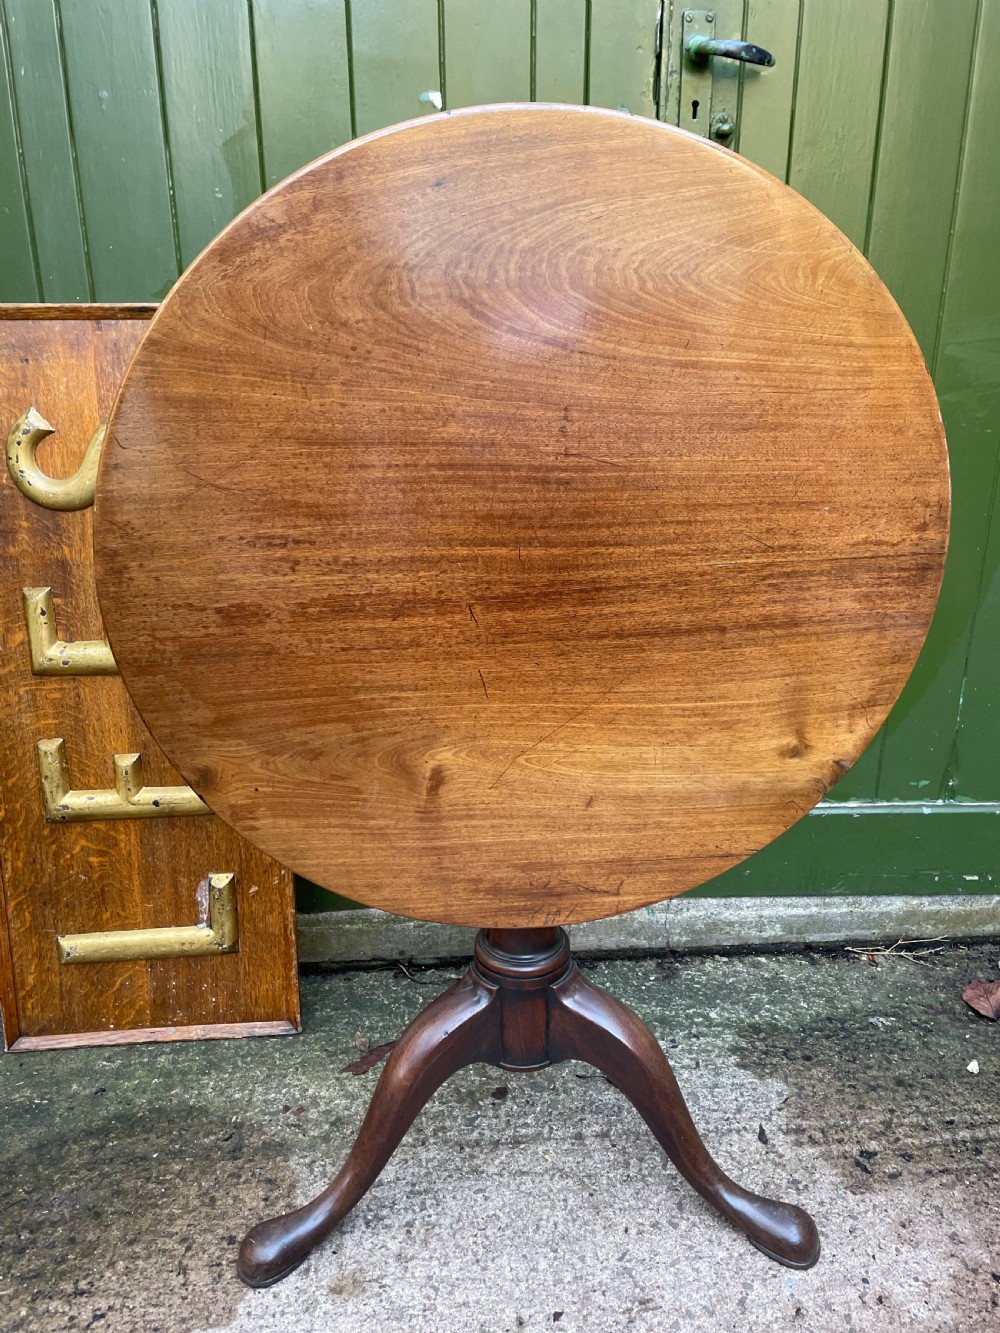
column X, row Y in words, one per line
column 707, row 75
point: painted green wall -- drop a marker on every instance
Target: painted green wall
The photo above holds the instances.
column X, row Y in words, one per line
column 132, row 130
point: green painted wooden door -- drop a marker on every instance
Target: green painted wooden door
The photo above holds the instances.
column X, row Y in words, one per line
column 132, row 130
column 881, row 113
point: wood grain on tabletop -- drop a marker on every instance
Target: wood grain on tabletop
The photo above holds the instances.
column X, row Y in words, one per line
column 522, row 515
column 111, row 874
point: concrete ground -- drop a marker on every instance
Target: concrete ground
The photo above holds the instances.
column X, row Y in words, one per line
column 128, row 1174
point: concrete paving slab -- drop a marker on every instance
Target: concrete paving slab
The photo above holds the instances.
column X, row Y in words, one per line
column 128, row 1174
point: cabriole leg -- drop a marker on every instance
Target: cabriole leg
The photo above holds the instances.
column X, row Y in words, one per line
column 588, row 1024
column 456, row 1029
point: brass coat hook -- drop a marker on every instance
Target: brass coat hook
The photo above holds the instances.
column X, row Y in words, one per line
column 52, row 656
column 75, row 492
column 130, row 798
column 216, row 932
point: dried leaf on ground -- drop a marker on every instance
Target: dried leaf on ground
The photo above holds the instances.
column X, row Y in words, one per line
column 369, row 1060
column 984, row 997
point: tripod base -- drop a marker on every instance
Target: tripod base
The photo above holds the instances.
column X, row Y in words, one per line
column 523, row 1004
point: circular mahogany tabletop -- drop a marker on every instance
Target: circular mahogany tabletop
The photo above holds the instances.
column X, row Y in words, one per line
column 521, row 515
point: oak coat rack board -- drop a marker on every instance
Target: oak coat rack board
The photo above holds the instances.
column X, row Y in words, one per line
column 517, row 517
column 128, row 912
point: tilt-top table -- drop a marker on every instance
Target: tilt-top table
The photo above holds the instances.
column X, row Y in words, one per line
column 514, row 518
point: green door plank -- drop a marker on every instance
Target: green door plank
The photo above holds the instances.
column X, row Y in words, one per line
column 114, row 101
column 968, row 379
column 926, row 87
column 488, row 51
column 18, row 274
column 560, row 52
column 303, row 81
column 924, row 118
column 208, row 101
column 396, row 61
column 976, row 763
column 47, row 145
column 831, row 160
column 837, row 109
column 831, row 152
column 622, row 50
column 765, row 107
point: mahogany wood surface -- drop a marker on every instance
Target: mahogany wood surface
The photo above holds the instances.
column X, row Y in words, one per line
column 521, row 515
column 111, row 874
column 90, row 310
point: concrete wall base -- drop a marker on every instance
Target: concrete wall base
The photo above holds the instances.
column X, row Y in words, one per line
column 680, row 924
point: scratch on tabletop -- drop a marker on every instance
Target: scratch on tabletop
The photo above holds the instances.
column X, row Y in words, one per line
column 549, row 734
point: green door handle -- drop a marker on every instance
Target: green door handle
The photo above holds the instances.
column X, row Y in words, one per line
column 699, row 48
